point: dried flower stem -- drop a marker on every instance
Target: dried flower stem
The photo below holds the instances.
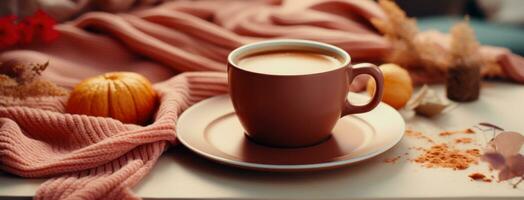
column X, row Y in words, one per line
column 21, row 79
column 518, row 182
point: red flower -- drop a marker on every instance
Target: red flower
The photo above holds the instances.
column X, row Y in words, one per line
column 40, row 27
column 8, row 32
column 25, row 31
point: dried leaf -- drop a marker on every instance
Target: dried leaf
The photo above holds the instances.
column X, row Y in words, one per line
column 430, row 109
column 495, row 160
column 503, row 154
column 427, row 103
column 508, row 143
column 516, row 164
column 506, row 174
column 417, row 98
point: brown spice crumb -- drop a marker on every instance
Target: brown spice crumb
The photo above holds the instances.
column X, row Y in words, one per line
column 463, row 140
column 392, row 160
column 441, row 155
column 412, row 133
column 448, row 133
column 479, row 177
column 418, row 135
column 473, row 152
column 469, row 131
column 417, row 148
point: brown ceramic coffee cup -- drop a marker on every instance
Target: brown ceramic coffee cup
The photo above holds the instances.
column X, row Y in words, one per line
column 295, row 110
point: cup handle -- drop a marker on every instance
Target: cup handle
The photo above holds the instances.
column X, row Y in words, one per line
column 373, row 71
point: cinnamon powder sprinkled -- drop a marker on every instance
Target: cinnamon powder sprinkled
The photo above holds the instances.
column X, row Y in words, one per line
column 392, row 160
column 466, row 131
column 418, row 135
column 463, row 140
column 473, row 152
column 443, row 156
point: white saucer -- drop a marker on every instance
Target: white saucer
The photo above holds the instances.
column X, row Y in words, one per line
column 210, row 128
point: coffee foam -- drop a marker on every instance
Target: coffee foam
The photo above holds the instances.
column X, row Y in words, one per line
column 289, row 62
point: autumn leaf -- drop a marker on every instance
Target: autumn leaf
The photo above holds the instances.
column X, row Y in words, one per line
column 496, row 160
column 516, row 163
column 508, row 143
column 503, row 154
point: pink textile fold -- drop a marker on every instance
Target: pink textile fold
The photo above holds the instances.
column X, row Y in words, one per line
column 101, row 158
column 94, row 157
column 197, row 36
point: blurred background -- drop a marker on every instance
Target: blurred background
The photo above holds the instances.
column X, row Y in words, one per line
column 497, row 22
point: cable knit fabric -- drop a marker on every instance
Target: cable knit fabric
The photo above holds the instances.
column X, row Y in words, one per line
column 95, row 157
column 181, row 46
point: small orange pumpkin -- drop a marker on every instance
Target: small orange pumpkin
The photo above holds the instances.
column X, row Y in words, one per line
column 398, row 86
column 126, row 96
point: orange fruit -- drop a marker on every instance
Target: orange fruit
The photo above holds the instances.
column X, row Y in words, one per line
column 398, row 86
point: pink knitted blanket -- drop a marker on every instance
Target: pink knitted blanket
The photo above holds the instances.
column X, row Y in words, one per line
column 100, row 158
column 94, row 157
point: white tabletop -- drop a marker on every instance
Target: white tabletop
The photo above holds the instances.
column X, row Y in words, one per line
column 181, row 174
